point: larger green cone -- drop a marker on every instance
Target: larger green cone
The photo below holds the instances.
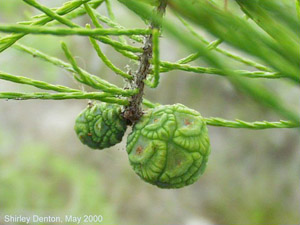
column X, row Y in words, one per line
column 169, row 146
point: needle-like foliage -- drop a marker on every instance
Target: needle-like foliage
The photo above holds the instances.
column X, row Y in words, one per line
column 262, row 30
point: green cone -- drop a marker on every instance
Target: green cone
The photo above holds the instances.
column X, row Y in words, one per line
column 169, row 146
column 100, row 126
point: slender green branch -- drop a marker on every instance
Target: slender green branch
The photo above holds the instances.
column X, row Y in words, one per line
column 98, row 50
column 111, row 91
column 214, row 44
column 50, row 13
column 91, row 14
column 70, row 15
column 7, row 41
column 211, row 46
column 256, row 91
column 123, row 48
column 225, row 52
column 133, row 111
column 109, row 9
column 116, row 45
column 113, row 24
column 94, row 4
column 155, row 59
column 35, row 83
column 53, row 15
column 149, row 104
column 280, row 57
column 190, row 58
column 107, row 62
column 214, row 121
column 104, row 85
column 257, row 125
column 111, row 15
column 105, row 97
column 155, row 56
column 73, row 9
column 127, row 54
column 82, row 77
column 74, row 31
column 106, row 40
column 286, row 38
column 47, row 58
column 167, row 66
column 86, row 79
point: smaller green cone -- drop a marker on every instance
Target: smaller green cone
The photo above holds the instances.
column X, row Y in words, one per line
column 100, row 126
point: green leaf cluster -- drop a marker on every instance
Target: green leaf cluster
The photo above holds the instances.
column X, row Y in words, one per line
column 264, row 30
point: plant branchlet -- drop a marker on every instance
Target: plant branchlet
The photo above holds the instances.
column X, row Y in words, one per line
column 275, row 49
column 133, row 112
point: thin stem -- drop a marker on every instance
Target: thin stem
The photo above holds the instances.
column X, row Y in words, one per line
column 91, row 14
column 7, row 41
column 66, row 6
column 214, row 121
column 109, row 9
column 155, row 59
column 57, row 62
column 107, row 62
column 285, row 37
column 127, row 54
column 149, row 104
column 167, row 66
column 94, row 4
column 82, row 77
column 74, row 31
column 113, row 24
column 105, row 97
column 212, row 45
column 35, row 83
column 225, row 52
column 50, row 13
column 111, row 15
column 134, row 111
column 256, row 91
column 281, row 55
column 117, row 45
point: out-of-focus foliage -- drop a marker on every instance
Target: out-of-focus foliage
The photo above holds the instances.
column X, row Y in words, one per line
column 39, row 182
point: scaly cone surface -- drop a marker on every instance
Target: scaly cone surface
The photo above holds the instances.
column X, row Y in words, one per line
column 169, row 146
column 100, row 126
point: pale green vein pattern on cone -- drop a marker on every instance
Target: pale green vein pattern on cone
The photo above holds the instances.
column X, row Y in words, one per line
column 100, row 126
column 169, row 146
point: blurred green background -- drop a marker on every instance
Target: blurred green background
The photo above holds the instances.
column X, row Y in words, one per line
column 252, row 176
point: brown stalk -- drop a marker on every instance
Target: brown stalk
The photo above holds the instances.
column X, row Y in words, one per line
column 134, row 111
